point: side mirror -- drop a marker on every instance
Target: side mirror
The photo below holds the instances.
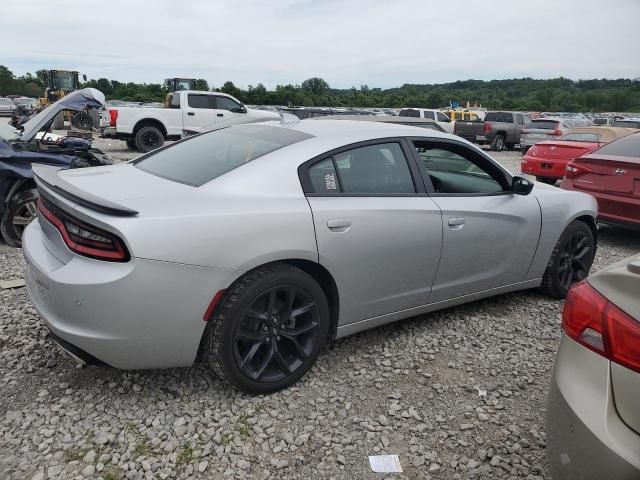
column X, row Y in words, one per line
column 521, row 186
column 242, row 108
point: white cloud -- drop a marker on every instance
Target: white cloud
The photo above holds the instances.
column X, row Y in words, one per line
column 381, row 43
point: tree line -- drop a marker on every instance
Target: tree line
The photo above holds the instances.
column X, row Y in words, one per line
column 528, row 94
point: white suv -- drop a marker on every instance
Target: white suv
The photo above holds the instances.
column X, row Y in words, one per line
column 438, row 116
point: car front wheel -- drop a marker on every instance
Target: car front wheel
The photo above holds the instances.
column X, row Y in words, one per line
column 269, row 329
column 570, row 261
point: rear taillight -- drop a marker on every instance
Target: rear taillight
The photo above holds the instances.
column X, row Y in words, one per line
column 575, row 169
column 84, row 239
column 113, row 117
column 594, row 322
column 486, row 128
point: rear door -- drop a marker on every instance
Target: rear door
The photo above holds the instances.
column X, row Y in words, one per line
column 489, row 234
column 199, row 112
column 377, row 231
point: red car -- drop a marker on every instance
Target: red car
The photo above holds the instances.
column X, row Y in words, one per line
column 612, row 175
column 548, row 160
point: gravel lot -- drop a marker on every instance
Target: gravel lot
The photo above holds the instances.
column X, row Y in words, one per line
column 456, row 394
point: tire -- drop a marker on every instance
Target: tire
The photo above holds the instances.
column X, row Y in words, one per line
column 263, row 339
column 570, row 261
column 82, row 121
column 547, row 180
column 58, row 122
column 497, row 144
column 149, row 138
column 20, row 212
column 131, row 144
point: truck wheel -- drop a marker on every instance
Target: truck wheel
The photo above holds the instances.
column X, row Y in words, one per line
column 20, row 212
column 58, row 122
column 497, row 145
column 149, row 138
column 547, row 180
column 131, row 144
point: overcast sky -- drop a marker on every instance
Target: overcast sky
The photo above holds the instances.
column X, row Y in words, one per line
column 381, row 43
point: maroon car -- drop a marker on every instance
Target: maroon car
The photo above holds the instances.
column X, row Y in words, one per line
column 612, row 175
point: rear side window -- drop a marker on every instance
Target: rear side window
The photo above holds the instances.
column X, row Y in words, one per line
column 202, row 158
column 373, row 169
column 174, row 100
column 542, row 124
column 429, row 115
column 409, row 112
column 628, row 146
column 198, row 101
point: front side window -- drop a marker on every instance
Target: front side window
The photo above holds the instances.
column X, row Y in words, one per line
column 225, row 103
column 453, row 169
column 442, row 117
column 374, row 169
column 198, row 101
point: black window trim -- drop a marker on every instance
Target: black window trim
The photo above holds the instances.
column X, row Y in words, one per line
column 416, row 176
column 507, row 177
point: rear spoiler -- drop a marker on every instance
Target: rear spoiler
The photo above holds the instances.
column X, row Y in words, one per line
column 47, row 176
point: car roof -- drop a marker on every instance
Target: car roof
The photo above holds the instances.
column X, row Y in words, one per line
column 377, row 118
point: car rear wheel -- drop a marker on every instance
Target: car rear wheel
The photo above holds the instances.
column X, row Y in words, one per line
column 269, row 329
column 570, row 261
column 20, row 212
column 149, row 138
column 497, row 144
column 547, row 180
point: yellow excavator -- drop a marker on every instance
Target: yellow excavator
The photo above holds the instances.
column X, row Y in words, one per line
column 59, row 84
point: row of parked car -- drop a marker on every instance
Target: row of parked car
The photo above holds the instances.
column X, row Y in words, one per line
column 9, row 105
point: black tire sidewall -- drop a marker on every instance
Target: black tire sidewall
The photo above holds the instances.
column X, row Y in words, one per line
column 6, row 227
column 140, row 142
column 494, row 144
column 239, row 302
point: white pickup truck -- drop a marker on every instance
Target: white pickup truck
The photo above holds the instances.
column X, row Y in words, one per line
column 145, row 128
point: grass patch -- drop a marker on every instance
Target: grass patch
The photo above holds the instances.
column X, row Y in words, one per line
column 185, row 455
column 74, row 454
column 243, row 426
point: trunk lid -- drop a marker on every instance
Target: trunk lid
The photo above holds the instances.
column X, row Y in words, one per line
column 609, row 173
column 620, row 284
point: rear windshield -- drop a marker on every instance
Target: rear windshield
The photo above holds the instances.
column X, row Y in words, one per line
column 628, row 146
column 505, row 117
column 580, row 137
column 202, row 158
column 409, row 112
column 542, row 124
column 627, row 123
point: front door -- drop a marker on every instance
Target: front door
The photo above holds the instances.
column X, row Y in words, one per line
column 377, row 232
column 490, row 235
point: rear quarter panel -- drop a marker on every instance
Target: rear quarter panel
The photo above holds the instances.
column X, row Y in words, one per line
column 559, row 208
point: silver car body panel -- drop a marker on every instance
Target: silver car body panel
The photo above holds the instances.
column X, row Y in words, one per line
column 586, row 439
column 187, row 243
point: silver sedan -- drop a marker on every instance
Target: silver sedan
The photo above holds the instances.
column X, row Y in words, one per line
column 250, row 246
column 593, row 413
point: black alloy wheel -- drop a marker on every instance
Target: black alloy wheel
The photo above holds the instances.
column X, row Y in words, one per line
column 575, row 259
column 276, row 334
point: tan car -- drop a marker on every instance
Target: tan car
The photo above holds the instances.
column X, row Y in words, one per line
column 593, row 410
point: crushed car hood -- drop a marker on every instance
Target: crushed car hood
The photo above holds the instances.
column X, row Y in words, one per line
column 77, row 101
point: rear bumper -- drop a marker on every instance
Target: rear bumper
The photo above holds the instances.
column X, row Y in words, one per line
column 586, row 439
column 138, row 314
column 613, row 208
column 542, row 167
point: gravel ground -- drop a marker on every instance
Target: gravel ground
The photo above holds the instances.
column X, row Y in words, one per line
column 456, row 394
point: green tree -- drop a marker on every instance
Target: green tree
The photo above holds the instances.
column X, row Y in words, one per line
column 315, row 85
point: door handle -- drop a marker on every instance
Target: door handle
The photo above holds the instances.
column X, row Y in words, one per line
column 339, row 225
column 456, row 223
column 220, row 114
column 191, row 114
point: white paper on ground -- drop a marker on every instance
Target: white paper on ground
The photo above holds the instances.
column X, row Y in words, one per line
column 385, row 463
